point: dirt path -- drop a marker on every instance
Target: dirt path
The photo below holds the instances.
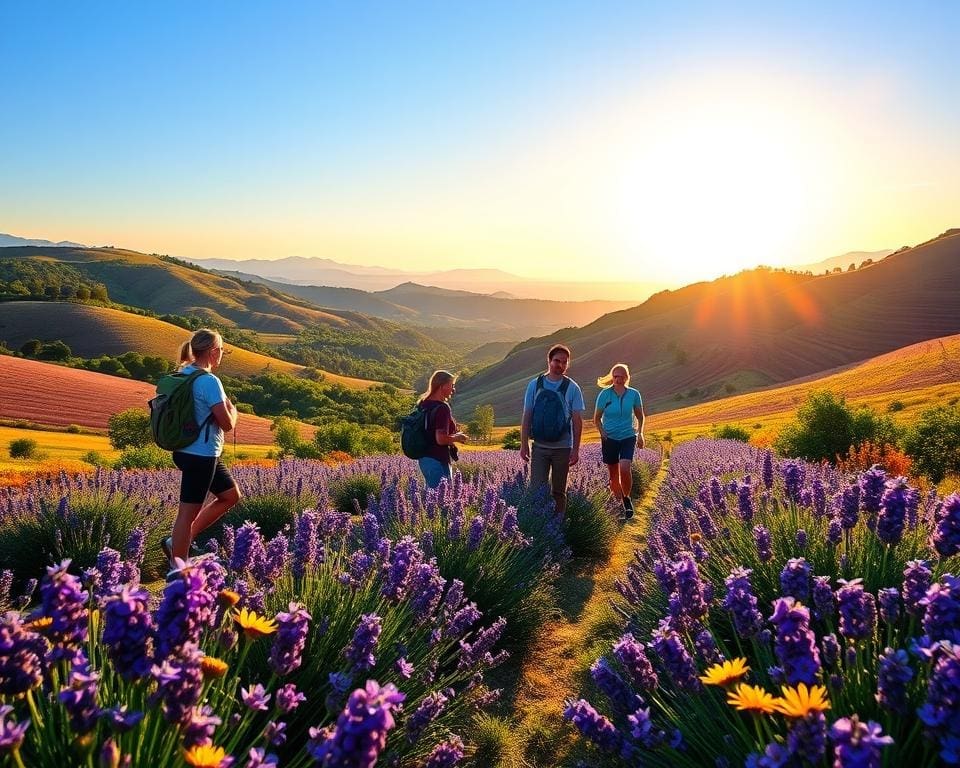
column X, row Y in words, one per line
column 560, row 660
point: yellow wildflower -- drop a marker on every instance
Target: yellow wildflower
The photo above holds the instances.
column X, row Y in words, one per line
column 228, row 597
column 211, row 666
column 801, row 701
column 39, row 624
column 205, row 756
column 726, row 672
column 752, row 698
column 254, row 625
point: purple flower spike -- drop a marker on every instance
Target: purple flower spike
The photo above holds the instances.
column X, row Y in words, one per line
column 893, row 511
column 364, row 643
column 21, row 653
column 255, row 697
column 675, row 658
column 79, row 696
column 429, row 709
column 857, row 744
column 893, row 674
column 286, row 654
column 761, row 537
column 289, row 698
column 633, row 658
column 917, row 578
column 593, row 725
column 807, row 738
column 446, row 753
column 128, row 632
column 795, row 579
column 11, row 732
column 796, row 646
column 941, row 619
column 614, row 687
column 858, row 610
column 63, row 601
column 946, row 530
column 360, row 733
column 742, row 603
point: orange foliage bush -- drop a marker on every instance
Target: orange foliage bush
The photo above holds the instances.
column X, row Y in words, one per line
column 891, row 458
column 337, row 457
column 18, row 478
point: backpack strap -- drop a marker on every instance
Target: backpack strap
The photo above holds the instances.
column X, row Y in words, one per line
column 564, row 386
column 539, row 386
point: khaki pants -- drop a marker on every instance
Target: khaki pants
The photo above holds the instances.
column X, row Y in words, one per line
column 550, row 466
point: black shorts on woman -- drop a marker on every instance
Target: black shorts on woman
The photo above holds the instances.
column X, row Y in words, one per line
column 615, row 451
column 201, row 474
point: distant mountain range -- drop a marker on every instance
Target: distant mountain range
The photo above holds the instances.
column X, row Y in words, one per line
column 741, row 333
column 10, row 240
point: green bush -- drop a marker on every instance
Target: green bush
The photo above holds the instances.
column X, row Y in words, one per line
column 96, row 458
column 496, row 742
column 23, row 448
column 642, row 477
column 353, row 438
column 74, row 429
column 933, row 442
column 732, row 432
column 589, row 528
column 826, row 427
column 77, row 528
column 130, row 429
column 272, row 512
column 359, row 486
column 511, row 440
column 895, row 405
column 146, row 457
column 286, row 434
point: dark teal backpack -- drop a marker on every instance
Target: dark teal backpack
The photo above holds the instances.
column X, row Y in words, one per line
column 414, row 434
column 550, row 422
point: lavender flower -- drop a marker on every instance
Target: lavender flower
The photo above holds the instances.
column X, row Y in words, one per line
column 189, row 603
column 361, row 648
column 872, row 483
column 255, row 697
column 761, row 537
column 446, row 753
column 21, row 653
column 831, row 650
column 614, row 687
column 893, row 511
column 108, row 569
column 745, row 501
column 360, row 733
column 128, row 632
column 917, row 578
column 857, row 744
column 475, row 533
column 200, row 726
column 675, row 658
column 593, row 725
column 179, row 684
column 430, row 708
column 834, row 531
column 849, row 506
column 63, row 601
column 807, row 738
column 306, row 545
column 766, row 471
column 793, row 473
column 742, row 603
column 426, row 590
column 819, row 491
column 286, row 654
column 633, row 658
column 257, row 757
column 822, row 598
column 289, row 698
column 796, row 646
column 643, row 730
column 801, row 539
column 11, row 732
column 946, row 529
column 941, row 620
column 79, row 696
column 889, row 599
column 687, row 603
column 472, row 653
column 406, row 555
column 795, row 578
column 893, row 674
column 858, row 610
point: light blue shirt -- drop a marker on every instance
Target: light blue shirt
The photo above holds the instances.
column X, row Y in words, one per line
column 207, row 392
column 573, row 403
column 617, row 415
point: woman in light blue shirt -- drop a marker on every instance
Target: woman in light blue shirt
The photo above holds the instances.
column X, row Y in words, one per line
column 618, row 405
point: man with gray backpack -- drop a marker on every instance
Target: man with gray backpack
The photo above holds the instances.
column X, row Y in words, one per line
column 553, row 417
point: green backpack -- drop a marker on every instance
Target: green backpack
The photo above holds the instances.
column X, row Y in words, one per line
column 173, row 420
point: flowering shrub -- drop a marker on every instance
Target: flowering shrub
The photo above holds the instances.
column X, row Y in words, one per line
column 784, row 614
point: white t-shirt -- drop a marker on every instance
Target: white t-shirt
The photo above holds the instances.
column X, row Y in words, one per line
column 207, row 392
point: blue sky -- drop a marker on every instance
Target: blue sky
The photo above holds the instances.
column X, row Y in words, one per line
column 593, row 139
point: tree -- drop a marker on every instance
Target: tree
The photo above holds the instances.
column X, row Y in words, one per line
column 286, row 434
column 54, row 350
column 484, row 418
column 129, row 429
column 933, row 442
column 83, row 293
column 31, row 347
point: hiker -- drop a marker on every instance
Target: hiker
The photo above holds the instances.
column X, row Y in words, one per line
column 553, row 417
column 199, row 462
column 442, row 431
column 617, row 405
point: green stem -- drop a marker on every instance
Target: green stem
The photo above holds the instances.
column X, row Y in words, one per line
column 34, row 712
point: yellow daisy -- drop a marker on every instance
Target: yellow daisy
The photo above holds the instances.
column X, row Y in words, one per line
column 801, row 701
column 211, row 666
column 254, row 625
column 752, row 698
column 39, row 624
column 205, row 756
column 726, row 672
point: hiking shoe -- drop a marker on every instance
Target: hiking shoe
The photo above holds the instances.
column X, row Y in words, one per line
column 167, row 546
column 627, row 507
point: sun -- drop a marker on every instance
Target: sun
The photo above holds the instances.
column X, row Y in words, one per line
column 717, row 186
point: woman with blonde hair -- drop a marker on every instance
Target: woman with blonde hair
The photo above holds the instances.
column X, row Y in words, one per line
column 617, row 406
column 442, row 431
column 202, row 470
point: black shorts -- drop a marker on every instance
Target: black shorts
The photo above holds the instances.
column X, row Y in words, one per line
column 201, row 474
column 615, row 451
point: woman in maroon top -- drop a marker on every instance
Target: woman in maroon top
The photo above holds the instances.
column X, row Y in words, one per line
column 442, row 430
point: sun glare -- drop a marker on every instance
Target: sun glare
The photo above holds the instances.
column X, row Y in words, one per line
column 719, row 186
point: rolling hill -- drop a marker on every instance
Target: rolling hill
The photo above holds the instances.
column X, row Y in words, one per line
column 494, row 318
column 748, row 331
column 91, row 331
column 53, row 395
column 918, row 376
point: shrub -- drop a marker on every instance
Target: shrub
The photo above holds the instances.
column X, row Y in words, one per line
column 895, row 405
column 272, row 512
column 73, row 429
column 893, row 460
column 496, row 742
column 359, row 486
column 130, row 429
column 96, row 458
column 23, row 448
column 933, row 442
column 286, row 434
column 353, row 438
column 589, row 528
column 77, row 527
column 511, row 440
column 642, row 476
column 825, row 427
column 147, row 457
column 732, row 432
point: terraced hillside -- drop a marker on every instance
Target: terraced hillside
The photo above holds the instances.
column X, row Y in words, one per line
column 748, row 331
column 53, row 395
column 91, row 331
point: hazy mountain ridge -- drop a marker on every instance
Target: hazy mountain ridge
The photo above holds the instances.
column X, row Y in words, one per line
column 7, row 241
column 758, row 328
